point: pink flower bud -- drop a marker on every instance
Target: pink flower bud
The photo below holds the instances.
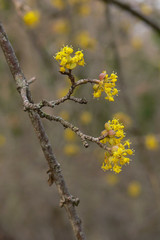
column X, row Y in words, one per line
column 102, row 76
column 111, row 133
column 114, row 148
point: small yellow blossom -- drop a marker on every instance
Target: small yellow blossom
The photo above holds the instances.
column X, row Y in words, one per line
column 59, row 4
column 62, row 92
column 119, row 148
column 69, row 135
column 112, row 179
column 61, row 26
column 84, row 9
column 123, row 118
column 86, row 117
column 146, row 9
column 107, row 85
column 66, row 61
column 2, row 140
column 71, row 149
column 151, row 142
column 134, row 189
column 136, row 43
column 31, row 18
column 84, row 40
column 64, row 114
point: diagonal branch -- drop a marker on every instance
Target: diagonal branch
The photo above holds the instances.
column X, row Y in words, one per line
column 75, row 129
column 126, row 7
column 55, row 175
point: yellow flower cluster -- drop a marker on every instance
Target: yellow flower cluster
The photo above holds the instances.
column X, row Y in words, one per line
column 84, row 40
column 67, row 61
column 134, row 189
column 59, row 4
column 31, row 18
column 117, row 156
column 61, row 26
column 107, row 85
column 86, row 117
column 151, row 142
column 71, row 149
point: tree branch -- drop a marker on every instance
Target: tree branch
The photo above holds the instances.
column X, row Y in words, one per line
column 126, row 7
column 55, row 174
column 75, row 129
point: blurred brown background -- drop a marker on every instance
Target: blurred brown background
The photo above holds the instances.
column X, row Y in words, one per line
column 112, row 207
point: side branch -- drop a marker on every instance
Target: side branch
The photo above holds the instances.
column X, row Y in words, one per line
column 54, row 167
column 83, row 136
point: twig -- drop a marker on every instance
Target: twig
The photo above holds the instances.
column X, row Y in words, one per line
column 134, row 12
column 54, row 166
column 83, row 136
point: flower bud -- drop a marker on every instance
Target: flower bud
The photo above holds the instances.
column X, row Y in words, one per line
column 104, row 133
column 114, row 148
column 102, row 76
column 111, row 133
column 111, row 141
column 95, row 87
column 107, row 126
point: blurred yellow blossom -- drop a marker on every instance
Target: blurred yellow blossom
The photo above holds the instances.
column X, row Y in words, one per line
column 61, row 26
column 112, row 179
column 2, row 140
column 136, row 43
column 123, row 118
column 84, row 9
column 2, row 4
column 107, row 85
column 66, row 61
column 151, row 142
column 84, row 40
column 119, row 149
column 86, row 117
column 64, row 114
column 59, row 4
column 62, row 92
column 134, row 189
column 69, row 135
column 31, row 18
column 146, row 9
column 71, row 149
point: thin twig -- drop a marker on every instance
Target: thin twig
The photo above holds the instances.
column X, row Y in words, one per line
column 75, row 129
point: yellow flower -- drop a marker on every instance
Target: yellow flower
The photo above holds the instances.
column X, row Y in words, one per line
column 66, row 61
column 84, row 40
column 71, row 149
column 117, row 156
column 84, row 10
column 86, row 117
column 134, row 189
column 112, row 179
column 64, row 114
column 59, row 4
column 62, row 92
column 136, row 43
column 107, row 85
column 69, row 135
column 151, row 142
column 146, row 9
column 2, row 140
column 61, row 26
column 31, row 18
